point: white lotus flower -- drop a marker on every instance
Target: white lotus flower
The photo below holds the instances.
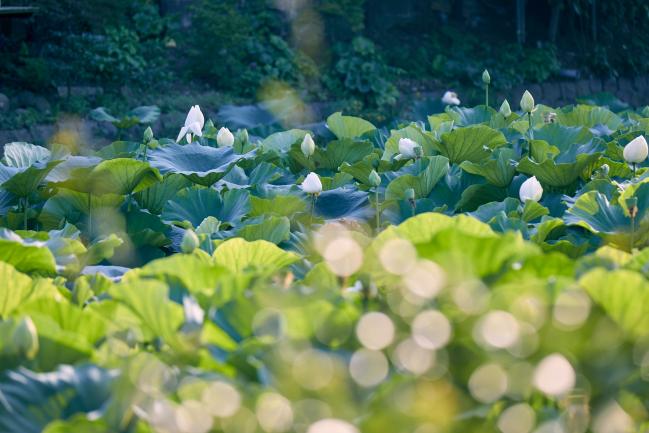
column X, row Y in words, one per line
column 636, row 151
column 193, row 124
column 312, row 184
column 450, row 98
column 531, row 189
column 407, row 148
column 308, row 145
column 224, row 137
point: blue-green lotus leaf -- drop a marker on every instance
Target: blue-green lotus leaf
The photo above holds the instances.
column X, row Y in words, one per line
column 203, row 165
column 156, row 196
column 499, row 169
column 193, row 205
column 340, row 151
column 26, row 181
column 281, row 142
column 589, row 117
column 348, row 126
column 33, row 399
column 66, row 168
column 119, row 149
column 343, row 202
column 361, row 170
column 275, row 229
column 22, row 155
column 472, row 143
column 422, row 176
column 561, row 136
column 465, row 116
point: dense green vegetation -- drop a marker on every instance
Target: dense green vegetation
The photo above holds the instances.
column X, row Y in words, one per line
column 357, row 52
column 485, row 271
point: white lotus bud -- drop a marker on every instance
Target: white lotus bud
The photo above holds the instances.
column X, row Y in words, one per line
column 486, row 78
column 527, row 102
column 636, row 151
column 531, row 189
column 224, row 138
column 312, row 184
column 25, row 338
column 450, row 98
column 308, row 145
column 190, row 242
column 407, row 148
column 374, row 178
column 505, row 109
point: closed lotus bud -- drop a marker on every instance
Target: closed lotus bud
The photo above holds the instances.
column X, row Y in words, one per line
column 243, row 134
column 190, row 242
column 505, row 109
column 409, row 194
column 374, row 178
column 531, row 189
column 148, row 134
column 224, row 138
column 527, row 102
column 25, row 338
column 312, row 184
column 636, row 151
column 605, row 169
column 486, row 78
column 307, row 146
column 407, row 148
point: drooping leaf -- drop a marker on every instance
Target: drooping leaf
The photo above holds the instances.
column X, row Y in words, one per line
column 238, row 255
column 472, row 143
column 348, row 126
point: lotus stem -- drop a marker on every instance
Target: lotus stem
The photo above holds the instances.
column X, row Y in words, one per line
column 313, row 199
column 632, row 240
column 25, row 207
column 378, row 211
column 633, row 164
column 90, row 215
column 486, row 95
column 529, row 126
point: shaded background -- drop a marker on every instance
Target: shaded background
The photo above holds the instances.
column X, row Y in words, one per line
column 381, row 59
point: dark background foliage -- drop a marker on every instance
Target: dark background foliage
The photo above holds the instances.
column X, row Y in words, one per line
column 362, row 52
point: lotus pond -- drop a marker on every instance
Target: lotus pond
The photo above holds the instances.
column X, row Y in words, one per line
column 485, row 271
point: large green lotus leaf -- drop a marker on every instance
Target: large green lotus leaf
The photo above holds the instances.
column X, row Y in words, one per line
column 25, row 182
column 340, row 151
column 473, row 143
column 203, row 165
column 560, row 175
column 281, row 142
column 361, row 170
column 78, row 423
column 465, row 116
column 22, row 155
column 429, row 171
column 68, row 166
column 119, row 149
column 239, row 255
column 18, row 288
column 413, row 132
column 281, row 205
column 32, row 400
column 462, row 254
column 193, row 205
column 271, row 228
column 589, row 117
column 66, row 333
column 343, row 202
column 149, row 301
column 73, row 207
column 498, row 170
column 624, row 295
column 123, row 176
column 195, row 273
column 26, row 255
column 348, row 126
column 476, row 195
column 594, row 212
column 156, row 196
column 562, row 136
column 489, row 211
